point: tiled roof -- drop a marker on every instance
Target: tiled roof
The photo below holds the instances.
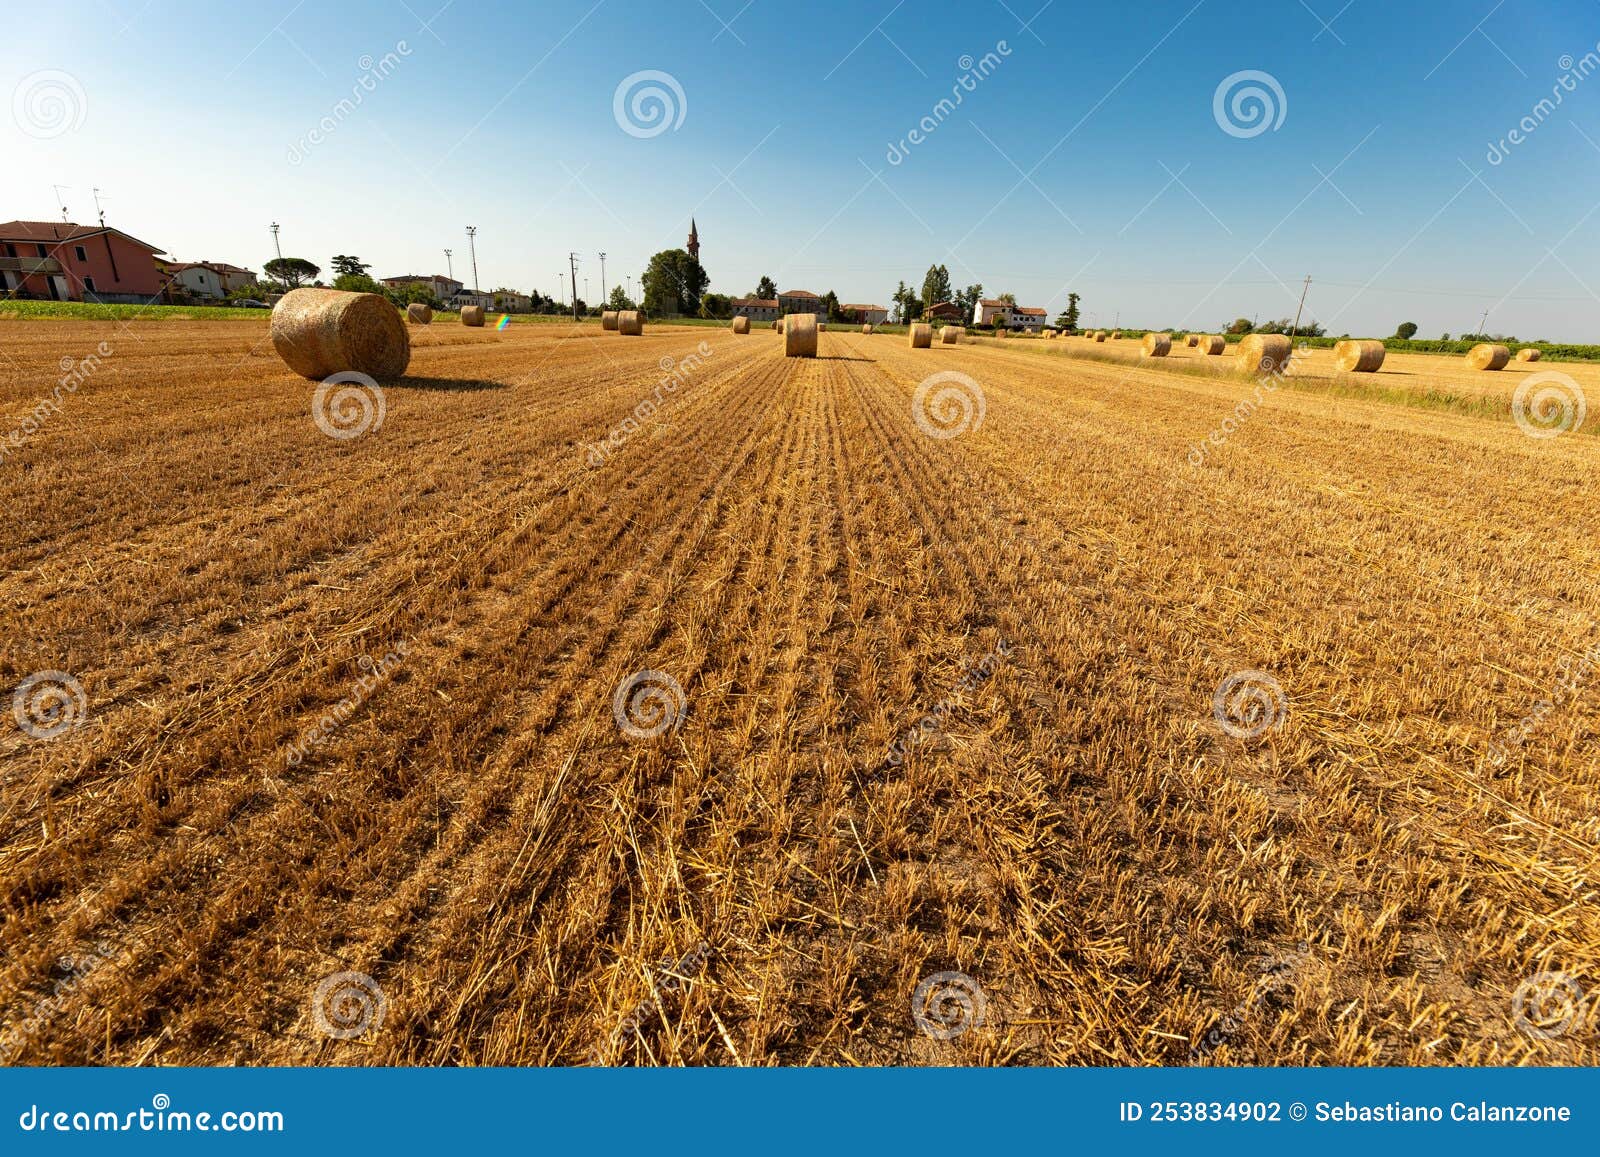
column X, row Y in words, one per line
column 1029, row 310
column 795, row 293
column 757, row 302
column 59, row 231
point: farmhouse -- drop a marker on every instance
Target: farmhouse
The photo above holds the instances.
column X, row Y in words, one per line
column 63, row 261
column 1028, row 318
column 757, row 308
column 208, row 280
column 442, row 287
column 801, row 301
column 871, row 314
column 945, row 311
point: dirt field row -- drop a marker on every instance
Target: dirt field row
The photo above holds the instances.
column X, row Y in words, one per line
column 1095, row 827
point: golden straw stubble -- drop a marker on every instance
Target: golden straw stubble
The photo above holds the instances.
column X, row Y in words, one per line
column 1264, row 353
column 1359, row 356
column 320, row 332
column 1488, row 356
column 800, row 335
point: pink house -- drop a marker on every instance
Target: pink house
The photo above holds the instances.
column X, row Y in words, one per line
column 66, row 262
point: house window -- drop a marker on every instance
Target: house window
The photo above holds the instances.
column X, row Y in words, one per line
column 81, row 252
column 11, row 250
column 88, row 285
column 42, row 251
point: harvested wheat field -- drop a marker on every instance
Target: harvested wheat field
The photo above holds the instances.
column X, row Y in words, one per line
column 705, row 731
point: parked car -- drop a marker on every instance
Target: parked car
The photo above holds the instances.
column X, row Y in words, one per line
column 250, row 303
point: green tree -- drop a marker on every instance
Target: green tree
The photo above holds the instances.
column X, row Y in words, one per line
column 292, row 271
column 968, row 299
column 766, row 288
column 717, row 305
column 619, row 299
column 404, row 295
column 346, row 266
column 936, row 286
column 1068, row 318
column 673, row 284
column 1406, row 330
column 1009, row 298
column 830, row 307
column 1240, row 325
column 356, row 283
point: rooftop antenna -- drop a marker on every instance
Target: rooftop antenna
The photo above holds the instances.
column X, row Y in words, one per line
column 60, row 202
column 98, row 210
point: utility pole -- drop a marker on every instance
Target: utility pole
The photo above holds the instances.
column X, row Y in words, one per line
column 572, row 264
column 449, row 267
column 602, row 279
column 559, row 285
column 1484, row 322
column 278, row 248
column 472, row 241
column 1294, row 330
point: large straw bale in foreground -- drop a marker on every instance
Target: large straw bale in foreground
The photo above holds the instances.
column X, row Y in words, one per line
column 920, row 335
column 1264, row 353
column 1359, row 357
column 472, row 315
column 319, row 332
column 1487, row 356
column 800, row 335
column 1156, row 345
column 630, row 322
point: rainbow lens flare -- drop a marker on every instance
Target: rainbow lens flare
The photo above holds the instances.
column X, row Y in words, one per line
column 505, row 320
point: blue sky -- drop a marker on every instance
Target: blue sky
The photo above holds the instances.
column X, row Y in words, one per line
column 1090, row 157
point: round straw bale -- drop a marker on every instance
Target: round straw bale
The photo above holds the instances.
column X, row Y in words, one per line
column 1116, row 335
column 1264, row 353
column 630, row 322
column 822, row 327
column 1156, row 345
column 319, row 332
column 741, row 324
column 866, row 328
column 1192, row 340
column 1488, row 357
column 1528, row 354
column 419, row 314
column 1358, row 357
column 1099, row 335
column 472, row 315
column 1213, row 344
column 608, row 319
column 800, row 335
column 921, row 335
column 951, row 334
